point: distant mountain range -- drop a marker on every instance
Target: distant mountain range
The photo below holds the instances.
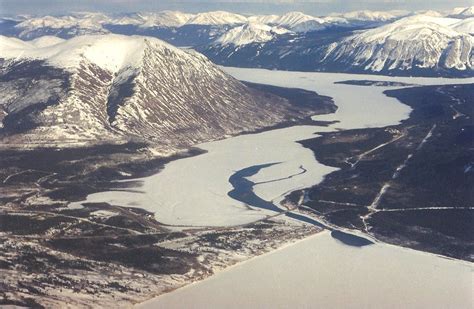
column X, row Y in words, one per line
column 415, row 45
column 112, row 88
column 29, row 27
column 393, row 43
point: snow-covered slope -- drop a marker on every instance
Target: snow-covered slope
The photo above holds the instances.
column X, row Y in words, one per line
column 84, row 20
column 310, row 25
column 131, row 19
column 111, row 52
column 463, row 12
column 291, row 19
column 113, row 88
column 217, row 18
column 151, row 19
column 412, row 43
column 68, row 26
column 429, row 13
column 299, row 22
column 468, row 12
column 264, row 19
column 419, row 45
column 250, row 33
column 45, row 41
column 372, row 16
column 165, row 19
column 464, row 26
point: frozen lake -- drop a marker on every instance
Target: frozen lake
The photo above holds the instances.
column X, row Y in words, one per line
column 193, row 191
column 319, row 271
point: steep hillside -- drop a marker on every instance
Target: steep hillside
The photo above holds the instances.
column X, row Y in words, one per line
column 115, row 88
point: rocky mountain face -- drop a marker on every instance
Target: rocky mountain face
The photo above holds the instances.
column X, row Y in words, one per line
column 113, row 88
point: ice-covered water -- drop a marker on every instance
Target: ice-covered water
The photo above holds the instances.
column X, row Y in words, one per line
column 320, row 272
column 193, row 191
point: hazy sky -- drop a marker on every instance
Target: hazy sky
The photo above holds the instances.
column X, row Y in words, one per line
column 314, row 7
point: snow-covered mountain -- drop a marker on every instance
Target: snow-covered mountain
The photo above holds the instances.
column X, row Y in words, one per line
column 392, row 42
column 95, row 23
column 217, row 18
column 463, row 12
column 164, row 19
column 464, row 26
column 431, row 13
column 264, row 19
column 294, row 21
column 84, row 23
column 328, row 22
column 309, row 25
column 372, row 16
column 64, row 26
column 150, row 19
column 250, row 33
column 291, row 19
column 413, row 43
column 114, row 87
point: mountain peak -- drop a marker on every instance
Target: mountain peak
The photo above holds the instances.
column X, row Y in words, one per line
column 111, row 52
